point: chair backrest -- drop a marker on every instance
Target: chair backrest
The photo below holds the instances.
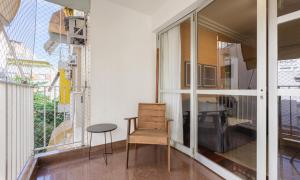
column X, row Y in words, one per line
column 152, row 116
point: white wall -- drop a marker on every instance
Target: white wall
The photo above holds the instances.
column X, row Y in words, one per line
column 122, row 64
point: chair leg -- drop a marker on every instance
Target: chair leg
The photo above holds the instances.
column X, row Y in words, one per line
column 127, row 152
column 169, row 158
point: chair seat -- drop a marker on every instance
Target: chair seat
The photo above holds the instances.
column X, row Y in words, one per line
column 149, row 136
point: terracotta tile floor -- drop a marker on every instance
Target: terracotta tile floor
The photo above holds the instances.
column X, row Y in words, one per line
column 147, row 163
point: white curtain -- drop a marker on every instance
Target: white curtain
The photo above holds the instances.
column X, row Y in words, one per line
column 171, row 80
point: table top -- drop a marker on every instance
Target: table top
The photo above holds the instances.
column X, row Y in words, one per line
column 101, row 128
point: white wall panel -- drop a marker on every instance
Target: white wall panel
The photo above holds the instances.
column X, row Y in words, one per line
column 122, row 64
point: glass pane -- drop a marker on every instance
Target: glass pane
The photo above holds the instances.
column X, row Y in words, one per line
column 289, row 55
column 289, row 137
column 226, row 53
column 175, row 50
column 178, row 109
column 288, row 106
column 287, row 6
column 227, row 132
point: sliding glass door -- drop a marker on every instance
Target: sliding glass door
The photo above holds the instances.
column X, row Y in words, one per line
column 213, row 80
column 231, row 88
column 175, row 81
column 284, row 93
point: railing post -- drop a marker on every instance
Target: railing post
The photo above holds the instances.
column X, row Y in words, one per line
column 65, row 100
column 6, row 129
column 82, row 100
column 44, row 131
column 291, row 122
column 54, row 110
column 54, row 106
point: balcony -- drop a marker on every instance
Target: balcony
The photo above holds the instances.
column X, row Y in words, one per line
column 221, row 78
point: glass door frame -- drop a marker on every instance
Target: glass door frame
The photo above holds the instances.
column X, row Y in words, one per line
column 273, row 21
column 260, row 92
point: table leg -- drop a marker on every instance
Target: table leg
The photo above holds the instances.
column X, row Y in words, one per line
column 111, row 142
column 105, row 154
column 105, row 150
column 90, row 146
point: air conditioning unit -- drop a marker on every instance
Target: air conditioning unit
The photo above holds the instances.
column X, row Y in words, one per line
column 68, row 73
column 72, row 60
column 76, row 27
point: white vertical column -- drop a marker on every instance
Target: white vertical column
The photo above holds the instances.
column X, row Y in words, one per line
column 44, row 120
column 193, row 94
column 261, row 88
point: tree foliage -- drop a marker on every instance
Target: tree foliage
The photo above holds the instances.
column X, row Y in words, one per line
column 42, row 101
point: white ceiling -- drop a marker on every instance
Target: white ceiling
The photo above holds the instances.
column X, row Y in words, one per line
column 143, row 6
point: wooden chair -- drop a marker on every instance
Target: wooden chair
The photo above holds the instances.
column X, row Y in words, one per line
column 152, row 128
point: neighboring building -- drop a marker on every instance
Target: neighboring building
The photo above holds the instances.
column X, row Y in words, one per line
column 289, row 73
column 20, row 61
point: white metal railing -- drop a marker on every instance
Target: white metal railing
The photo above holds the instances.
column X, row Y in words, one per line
column 16, row 139
column 58, row 124
column 34, row 119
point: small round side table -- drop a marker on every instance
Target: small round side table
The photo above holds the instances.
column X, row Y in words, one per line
column 102, row 128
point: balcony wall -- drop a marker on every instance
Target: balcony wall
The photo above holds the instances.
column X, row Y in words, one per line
column 122, row 64
column 123, row 53
column 16, row 129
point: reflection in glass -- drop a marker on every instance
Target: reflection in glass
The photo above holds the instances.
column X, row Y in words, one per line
column 226, row 53
column 289, row 106
column 287, row 6
column 178, row 109
column 227, row 132
column 186, row 111
column 289, row 137
column 227, row 46
column 289, row 55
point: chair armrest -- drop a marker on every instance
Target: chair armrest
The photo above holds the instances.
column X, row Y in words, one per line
column 168, row 126
column 130, row 118
column 170, row 120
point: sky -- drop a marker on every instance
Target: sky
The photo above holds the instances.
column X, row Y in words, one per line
column 33, row 34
